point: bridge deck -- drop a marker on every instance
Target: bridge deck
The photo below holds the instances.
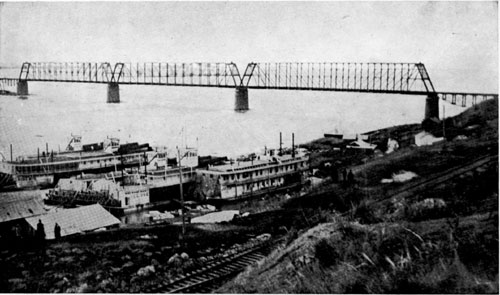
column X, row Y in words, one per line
column 383, row 78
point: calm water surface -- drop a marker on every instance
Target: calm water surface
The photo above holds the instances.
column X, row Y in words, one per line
column 203, row 117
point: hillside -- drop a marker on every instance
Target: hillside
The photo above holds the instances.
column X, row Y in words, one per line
column 436, row 233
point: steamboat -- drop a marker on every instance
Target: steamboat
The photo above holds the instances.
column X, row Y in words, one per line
column 39, row 171
column 131, row 189
column 254, row 175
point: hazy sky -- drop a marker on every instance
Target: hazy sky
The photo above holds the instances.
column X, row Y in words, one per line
column 457, row 41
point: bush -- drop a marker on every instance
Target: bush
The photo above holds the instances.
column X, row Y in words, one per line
column 366, row 214
column 326, row 254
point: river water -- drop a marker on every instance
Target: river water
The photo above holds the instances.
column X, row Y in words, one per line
column 199, row 117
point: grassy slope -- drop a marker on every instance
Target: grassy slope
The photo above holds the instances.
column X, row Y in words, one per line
column 347, row 257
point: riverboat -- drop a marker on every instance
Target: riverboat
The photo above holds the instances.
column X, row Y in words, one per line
column 164, row 171
column 46, row 169
column 131, row 189
column 106, row 192
column 163, row 174
column 253, row 175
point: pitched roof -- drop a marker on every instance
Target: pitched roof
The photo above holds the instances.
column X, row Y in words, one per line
column 359, row 144
column 17, row 205
column 77, row 220
column 426, row 138
column 349, row 137
column 216, row 217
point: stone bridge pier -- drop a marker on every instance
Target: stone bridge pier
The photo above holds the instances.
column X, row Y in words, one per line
column 113, row 93
column 432, row 106
column 22, row 87
column 241, row 99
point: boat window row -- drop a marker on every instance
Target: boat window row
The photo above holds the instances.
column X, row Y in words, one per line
column 265, row 164
column 250, row 167
column 188, row 175
column 278, row 181
column 262, row 172
column 262, row 184
column 63, row 166
column 46, row 168
column 109, row 160
column 114, row 159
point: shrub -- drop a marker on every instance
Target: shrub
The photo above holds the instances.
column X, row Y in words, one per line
column 326, row 254
column 366, row 214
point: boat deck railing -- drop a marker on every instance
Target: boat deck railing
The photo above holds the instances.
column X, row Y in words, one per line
column 244, row 166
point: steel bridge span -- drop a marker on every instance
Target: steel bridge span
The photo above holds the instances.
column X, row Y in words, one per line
column 387, row 78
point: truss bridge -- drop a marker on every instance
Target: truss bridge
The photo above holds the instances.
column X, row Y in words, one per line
column 382, row 78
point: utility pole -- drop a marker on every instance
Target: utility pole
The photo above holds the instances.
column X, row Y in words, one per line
column 281, row 143
column 444, row 128
column 145, row 167
column 182, row 194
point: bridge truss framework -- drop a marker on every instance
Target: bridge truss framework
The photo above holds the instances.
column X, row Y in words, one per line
column 395, row 78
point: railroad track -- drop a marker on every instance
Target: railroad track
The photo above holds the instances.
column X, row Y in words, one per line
column 210, row 276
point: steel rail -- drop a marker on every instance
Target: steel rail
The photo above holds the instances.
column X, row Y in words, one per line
column 209, row 275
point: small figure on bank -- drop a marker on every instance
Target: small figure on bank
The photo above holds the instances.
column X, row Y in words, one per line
column 17, row 232
column 350, row 177
column 57, row 231
column 40, row 231
column 344, row 175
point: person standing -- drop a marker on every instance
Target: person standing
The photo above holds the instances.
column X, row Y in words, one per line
column 40, row 231
column 344, row 175
column 57, row 231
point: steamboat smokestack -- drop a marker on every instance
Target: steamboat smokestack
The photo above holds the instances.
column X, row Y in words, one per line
column 281, row 143
column 293, row 145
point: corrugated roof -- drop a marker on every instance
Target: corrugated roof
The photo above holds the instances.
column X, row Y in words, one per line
column 77, row 220
column 17, row 205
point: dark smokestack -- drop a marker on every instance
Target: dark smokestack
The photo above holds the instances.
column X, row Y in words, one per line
column 281, row 143
column 293, row 145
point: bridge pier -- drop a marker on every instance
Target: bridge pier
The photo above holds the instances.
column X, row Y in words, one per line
column 22, row 87
column 113, row 93
column 241, row 99
column 432, row 106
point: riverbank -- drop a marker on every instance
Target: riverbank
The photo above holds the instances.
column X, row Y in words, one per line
column 337, row 237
